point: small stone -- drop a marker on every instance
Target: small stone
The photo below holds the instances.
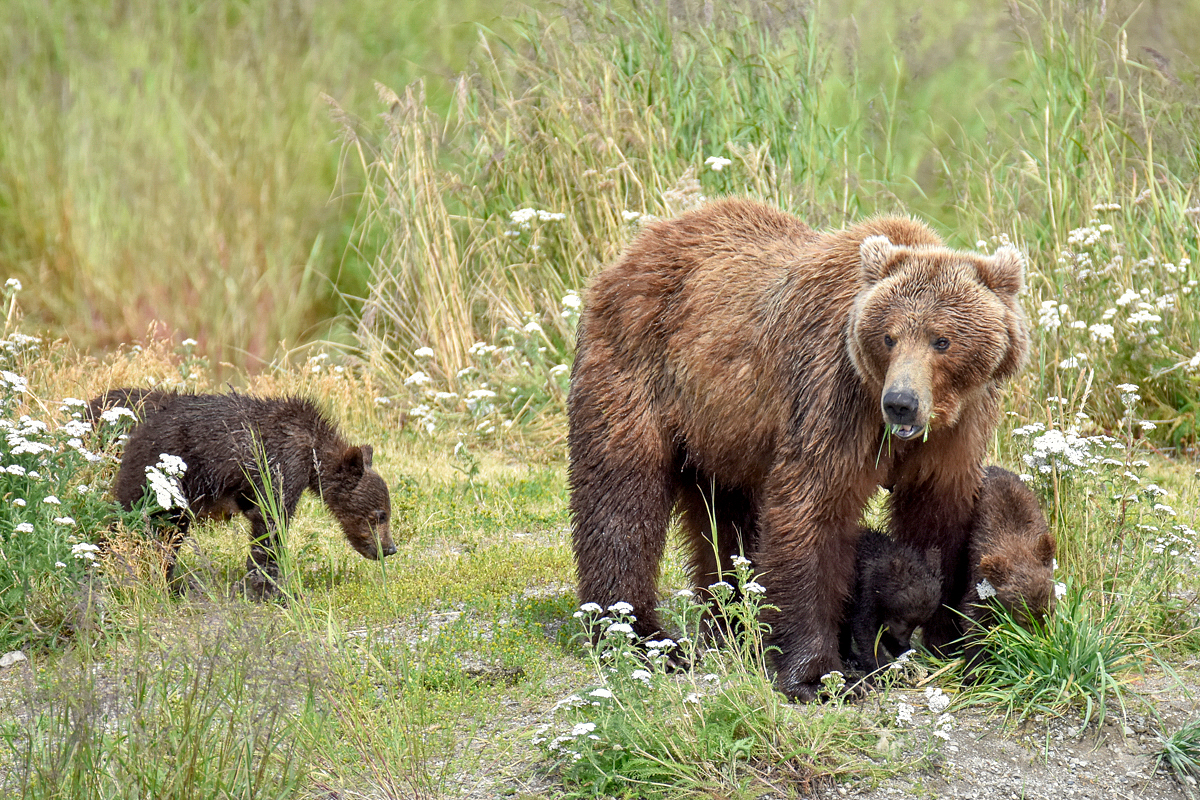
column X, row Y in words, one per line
column 8, row 659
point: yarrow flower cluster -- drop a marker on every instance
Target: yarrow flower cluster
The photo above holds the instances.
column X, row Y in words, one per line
column 163, row 479
column 1062, row 451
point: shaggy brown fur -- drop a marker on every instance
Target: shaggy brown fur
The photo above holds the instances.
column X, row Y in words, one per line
column 218, row 435
column 1012, row 549
column 896, row 590
column 734, row 359
column 139, row 400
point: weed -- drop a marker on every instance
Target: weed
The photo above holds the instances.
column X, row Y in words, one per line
column 1181, row 751
column 1072, row 661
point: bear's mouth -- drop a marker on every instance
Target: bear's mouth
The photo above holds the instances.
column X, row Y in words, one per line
column 907, row 432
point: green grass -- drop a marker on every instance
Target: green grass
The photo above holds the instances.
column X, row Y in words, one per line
column 172, row 168
column 1074, row 662
column 1181, row 751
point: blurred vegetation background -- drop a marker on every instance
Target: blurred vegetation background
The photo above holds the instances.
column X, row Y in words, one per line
column 176, row 165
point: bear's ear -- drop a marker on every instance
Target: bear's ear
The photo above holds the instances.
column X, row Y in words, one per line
column 1045, row 548
column 1004, row 271
column 368, row 452
column 353, row 462
column 875, row 255
column 995, row 569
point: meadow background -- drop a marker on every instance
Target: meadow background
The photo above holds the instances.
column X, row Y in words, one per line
column 395, row 207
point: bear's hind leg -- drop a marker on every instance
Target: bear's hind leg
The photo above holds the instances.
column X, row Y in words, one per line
column 622, row 491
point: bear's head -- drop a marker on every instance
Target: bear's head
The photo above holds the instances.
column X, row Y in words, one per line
column 931, row 328
column 1023, row 579
column 359, row 499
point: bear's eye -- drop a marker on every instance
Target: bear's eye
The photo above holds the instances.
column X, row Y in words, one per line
column 889, row 341
column 941, row 344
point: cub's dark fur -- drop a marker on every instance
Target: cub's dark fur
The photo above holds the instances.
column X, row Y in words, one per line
column 140, row 401
column 897, row 588
column 224, row 438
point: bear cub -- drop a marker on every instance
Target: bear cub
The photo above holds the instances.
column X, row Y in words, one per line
column 1011, row 559
column 897, row 589
column 224, row 439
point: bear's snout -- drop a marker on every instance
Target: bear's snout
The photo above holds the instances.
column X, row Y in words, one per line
column 901, row 406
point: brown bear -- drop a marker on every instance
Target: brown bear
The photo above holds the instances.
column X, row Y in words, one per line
column 735, row 360
column 223, row 440
column 1011, row 559
column 896, row 590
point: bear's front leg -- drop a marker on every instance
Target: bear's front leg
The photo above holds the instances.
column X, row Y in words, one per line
column 264, row 578
column 808, row 570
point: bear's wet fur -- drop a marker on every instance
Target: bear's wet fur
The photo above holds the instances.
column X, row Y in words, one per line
column 141, row 401
column 897, row 589
column 735, row 361
column 1011, row 560
column 224, row 438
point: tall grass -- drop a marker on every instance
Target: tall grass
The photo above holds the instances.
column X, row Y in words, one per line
column 1061, row 142
column 171, row 164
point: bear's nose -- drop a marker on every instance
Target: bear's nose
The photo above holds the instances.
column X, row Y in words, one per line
column 901, row 407
column 389, row 549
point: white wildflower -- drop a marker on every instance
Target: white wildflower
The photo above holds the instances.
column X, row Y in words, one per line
column 937, row 700
column 717, row 163
column 418, row 378
column 620, row 628
column 985, row 589
column 112, row 415
column 85, row 550
column 24, row 527
column 583, row 729
column 423, row 352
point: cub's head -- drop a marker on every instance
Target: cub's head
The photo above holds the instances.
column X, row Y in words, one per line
column 1022, row 580
column 911, row 593
column 359, row 499
column 1015, row 547
column 933, row 327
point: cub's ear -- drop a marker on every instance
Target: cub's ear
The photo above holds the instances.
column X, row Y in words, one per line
column 368, row 452
column 1004, row 271
column 1045, row 548
column 996, row 569
column 875, row 255
column 353, row 462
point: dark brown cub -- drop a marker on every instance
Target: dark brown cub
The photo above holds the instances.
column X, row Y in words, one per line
column 225, row 440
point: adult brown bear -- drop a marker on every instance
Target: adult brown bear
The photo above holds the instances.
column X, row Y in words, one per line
column 736, row 360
